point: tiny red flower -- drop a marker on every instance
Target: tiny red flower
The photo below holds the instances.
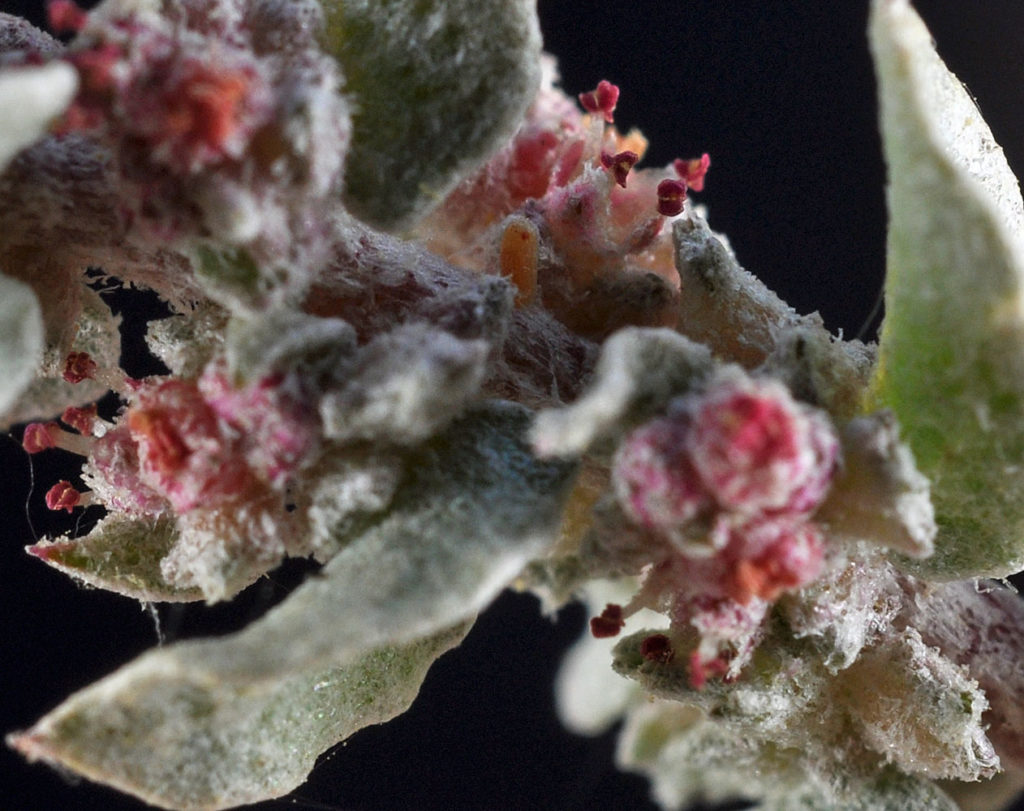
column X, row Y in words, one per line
column 601, row 100
column 82, row 420
column 63, row 496
column 609, row 623
column 39, row 436
column 65, row 16
column 671, row 197
column 620, row 164
column 693, row 171
column 657, row 648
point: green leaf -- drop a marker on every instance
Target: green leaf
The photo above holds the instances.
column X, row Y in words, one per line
column 120, row 554
column 179, row 737
column 952, row 347
column 213, row 723
column 435, row 86
column 21, row 339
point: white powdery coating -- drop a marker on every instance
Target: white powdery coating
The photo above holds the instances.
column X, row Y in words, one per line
column 920, row 711
column 406, row 385
column 39, row 94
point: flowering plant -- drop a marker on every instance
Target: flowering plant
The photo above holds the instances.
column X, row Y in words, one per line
column 432, row 327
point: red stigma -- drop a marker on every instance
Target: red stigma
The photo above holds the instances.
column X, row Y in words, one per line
column 601, row 100
column 609, row 623
column 63, row 496
column 671, row 197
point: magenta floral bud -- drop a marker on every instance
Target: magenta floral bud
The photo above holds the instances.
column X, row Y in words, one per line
column 275, row 430
column 184, row 451
column 757, row 450
column 774, row 556
column 654, row 480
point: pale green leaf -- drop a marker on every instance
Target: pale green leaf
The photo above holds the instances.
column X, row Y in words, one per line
column 120, row 554
column 179, row 737
column 435, row 87
column 21, row 339
column 952, row 346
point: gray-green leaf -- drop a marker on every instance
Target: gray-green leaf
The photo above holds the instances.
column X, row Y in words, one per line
column 180, row 738
column 435, row 86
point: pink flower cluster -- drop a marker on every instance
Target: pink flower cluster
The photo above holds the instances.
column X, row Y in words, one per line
column 600, row 221
column 204, row 443
column 731, row 478
column 186, row 107
column 187, row 444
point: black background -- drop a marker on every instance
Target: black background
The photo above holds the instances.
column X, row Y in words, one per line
column 781, row 95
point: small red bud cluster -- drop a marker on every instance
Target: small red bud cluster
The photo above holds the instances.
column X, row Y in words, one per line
column 65, row 16
column 731, row 478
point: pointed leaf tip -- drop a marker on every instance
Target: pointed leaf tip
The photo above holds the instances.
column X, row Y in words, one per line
column 951, row 355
